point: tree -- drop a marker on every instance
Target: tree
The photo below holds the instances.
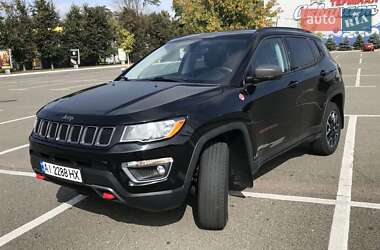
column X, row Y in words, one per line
column 136, row 5
column 73, row 35
column 47, row 32
column 375, row 39
column 124, row 38
column 161, row 28
column 219, row 15
column 97, row 34
column 17, row 30
column 150, row 31
column 358, row 44
column 330, row 44
column 139, row 26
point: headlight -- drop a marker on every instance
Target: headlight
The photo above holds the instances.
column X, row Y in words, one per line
column 152, row 131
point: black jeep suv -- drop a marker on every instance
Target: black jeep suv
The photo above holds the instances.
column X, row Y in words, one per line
column 202, row 113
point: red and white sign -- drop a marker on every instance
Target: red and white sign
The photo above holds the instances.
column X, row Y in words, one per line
column 321, row 19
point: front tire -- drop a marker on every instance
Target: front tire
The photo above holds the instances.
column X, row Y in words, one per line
column 331, row 130
column 212, row 195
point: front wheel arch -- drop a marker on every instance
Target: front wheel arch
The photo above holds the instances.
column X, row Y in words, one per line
column 220, row 133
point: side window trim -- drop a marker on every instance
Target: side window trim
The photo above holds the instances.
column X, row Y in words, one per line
column 289, row 54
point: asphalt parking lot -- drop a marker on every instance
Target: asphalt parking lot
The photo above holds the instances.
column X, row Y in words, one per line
column 299, row 201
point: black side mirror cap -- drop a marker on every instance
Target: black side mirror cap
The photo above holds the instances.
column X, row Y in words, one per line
column 268, row 72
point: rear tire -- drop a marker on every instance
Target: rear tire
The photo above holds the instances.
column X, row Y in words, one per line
column 331, row 130
column 212, row 195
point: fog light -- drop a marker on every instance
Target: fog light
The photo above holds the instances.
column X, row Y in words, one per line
column 161, row 170
column 148, row 171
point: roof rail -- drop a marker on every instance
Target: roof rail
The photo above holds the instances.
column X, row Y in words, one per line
column 286, row 28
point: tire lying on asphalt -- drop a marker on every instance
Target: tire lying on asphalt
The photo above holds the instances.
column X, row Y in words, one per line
column 331, row 130
column 212, row 195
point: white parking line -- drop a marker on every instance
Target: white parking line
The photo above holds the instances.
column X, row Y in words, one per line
column 38, row 86
column 357, row 83
column 75, row 87
column 55, row 84
column 17, row 173
column 360, row 60
column 341, row 219
column 366, row 86
column 285, row 197
column 292, row 198
column 367, row 116
column 13, row 149
column 365, row 205
column 18, row 119
column 40, row 220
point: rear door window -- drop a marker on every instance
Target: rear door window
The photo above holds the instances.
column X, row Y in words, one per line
column 316, row 51
column 300, row 52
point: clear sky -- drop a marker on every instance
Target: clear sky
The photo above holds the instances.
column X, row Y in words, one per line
column 64, row 5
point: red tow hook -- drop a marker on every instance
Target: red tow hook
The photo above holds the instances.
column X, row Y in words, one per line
column 40, row 176
column 108, row 196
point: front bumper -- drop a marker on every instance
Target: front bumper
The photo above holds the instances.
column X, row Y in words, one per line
column 101, row 171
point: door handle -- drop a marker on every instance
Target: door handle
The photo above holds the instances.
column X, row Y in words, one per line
column 293, row 84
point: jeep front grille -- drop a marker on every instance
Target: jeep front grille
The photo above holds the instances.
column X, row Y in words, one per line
column 74, row 134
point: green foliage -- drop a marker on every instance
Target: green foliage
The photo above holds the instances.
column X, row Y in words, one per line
column 125, row 40
column 97, row 33
column 358, row 44
column 150, row 31
column 89, row 30
column 17, row 32
column 219, row 15
column 330, row 44
column 375, row 39
column 74, row 24
column 47, row 34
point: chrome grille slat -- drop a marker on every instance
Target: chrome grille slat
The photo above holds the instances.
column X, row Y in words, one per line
column 63, row 132
column 44, row 127
column 99, row 137
column 74, row 133
column 84, row 140
column 52, row 131
column 71, row 134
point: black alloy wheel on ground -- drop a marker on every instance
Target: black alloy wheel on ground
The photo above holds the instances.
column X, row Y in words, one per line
column 331, row 130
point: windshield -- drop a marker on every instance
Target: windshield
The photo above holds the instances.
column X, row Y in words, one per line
column 208, row 60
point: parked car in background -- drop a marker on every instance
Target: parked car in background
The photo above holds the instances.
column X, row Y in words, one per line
column 344, row 47
column 368, row 47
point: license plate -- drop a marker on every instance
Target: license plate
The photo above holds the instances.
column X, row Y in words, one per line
column 66, row 173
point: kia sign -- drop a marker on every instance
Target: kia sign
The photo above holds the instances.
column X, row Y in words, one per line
column 357, row 20
column 319, row 19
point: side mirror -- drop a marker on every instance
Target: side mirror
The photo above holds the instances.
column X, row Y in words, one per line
column 265, row 72
column 268, row 72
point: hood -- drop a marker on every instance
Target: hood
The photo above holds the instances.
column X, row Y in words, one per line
column 122, row 98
